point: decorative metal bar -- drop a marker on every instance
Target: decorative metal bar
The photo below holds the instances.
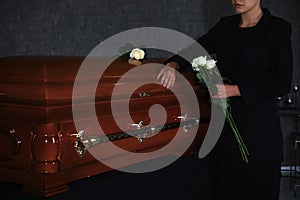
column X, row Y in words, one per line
column 82, row 142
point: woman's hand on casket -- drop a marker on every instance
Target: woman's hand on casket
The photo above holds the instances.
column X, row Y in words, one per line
column 167, row 74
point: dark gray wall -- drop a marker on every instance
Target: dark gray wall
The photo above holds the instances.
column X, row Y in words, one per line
column 75, row 27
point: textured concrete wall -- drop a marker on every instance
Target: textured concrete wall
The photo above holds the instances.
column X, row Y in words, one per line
column 75, row 27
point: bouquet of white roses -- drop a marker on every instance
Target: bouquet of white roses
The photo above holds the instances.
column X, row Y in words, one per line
column 207, row 72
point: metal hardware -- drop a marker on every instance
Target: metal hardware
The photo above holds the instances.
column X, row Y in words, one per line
column 140, row 137
column 78, row 144
column 139, row 125
column 82, row 142
column 184, row 117
column 186, row 128
column 144, row 94
column 14, row 143
column 18, row 141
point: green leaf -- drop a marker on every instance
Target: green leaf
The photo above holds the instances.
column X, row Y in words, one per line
column 199, row 76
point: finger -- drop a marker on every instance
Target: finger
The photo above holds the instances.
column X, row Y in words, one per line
column 166, row 80
column 159, row 74
column 216, row 96
column 162, row 79
column 171, row 82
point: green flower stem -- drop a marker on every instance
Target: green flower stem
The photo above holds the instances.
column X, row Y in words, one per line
column 204, row 77
column 237, row 133
column 205, row 72
column 241, row 144
column 242, row 147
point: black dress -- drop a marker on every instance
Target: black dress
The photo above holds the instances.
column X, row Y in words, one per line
column 259, row 61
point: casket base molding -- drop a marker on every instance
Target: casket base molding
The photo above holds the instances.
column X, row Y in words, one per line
column 46, row 185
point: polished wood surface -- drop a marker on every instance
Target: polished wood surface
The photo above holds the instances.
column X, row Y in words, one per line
column 37, row 130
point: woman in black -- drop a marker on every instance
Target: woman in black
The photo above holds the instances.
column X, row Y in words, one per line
column 253, row 49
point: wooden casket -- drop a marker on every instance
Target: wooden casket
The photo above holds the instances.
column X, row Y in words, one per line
column 45, row 146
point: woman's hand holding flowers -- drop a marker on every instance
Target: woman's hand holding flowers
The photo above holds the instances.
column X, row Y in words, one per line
column 225, row 91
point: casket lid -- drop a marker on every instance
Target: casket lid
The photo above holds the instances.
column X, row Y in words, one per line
column 49, row 80
column 42, row 87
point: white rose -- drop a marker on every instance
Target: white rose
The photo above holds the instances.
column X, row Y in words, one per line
column 200, row 61
column 210, row 64
column 195, row 67
column 137, row 54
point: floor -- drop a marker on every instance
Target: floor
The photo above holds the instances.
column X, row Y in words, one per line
column 117, row 184
column 286, row 193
